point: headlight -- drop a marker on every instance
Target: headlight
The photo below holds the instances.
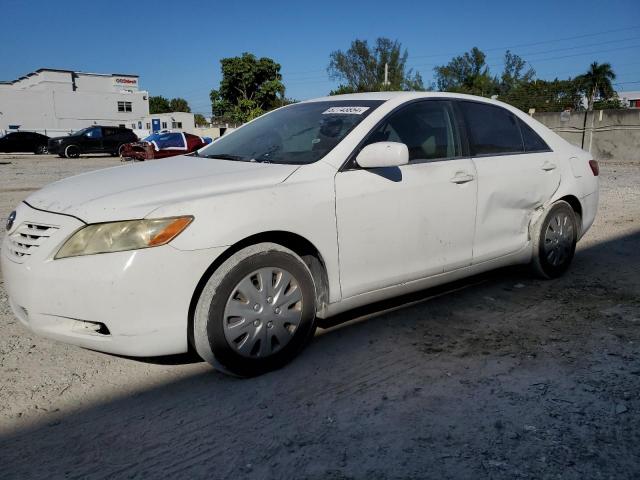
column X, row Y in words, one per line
column 120, row 236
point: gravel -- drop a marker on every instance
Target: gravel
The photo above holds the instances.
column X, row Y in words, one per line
column 499, row 376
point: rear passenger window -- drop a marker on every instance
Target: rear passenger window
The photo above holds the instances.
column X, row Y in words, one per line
column 493, row 130
column 428, row 129
column 532, row 141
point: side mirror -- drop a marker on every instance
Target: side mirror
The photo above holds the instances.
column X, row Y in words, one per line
column 383, row 154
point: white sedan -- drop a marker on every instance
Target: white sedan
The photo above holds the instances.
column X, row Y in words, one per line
column 303, row 213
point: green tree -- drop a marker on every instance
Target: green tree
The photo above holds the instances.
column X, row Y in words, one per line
column 249, row 87
column 612, row 103
column 362, row 68
column 515, row 73
column 596, row 83
column 159, row 104
column 467, row 73
column 179, row 105
column 199, row 119
column 545, row 96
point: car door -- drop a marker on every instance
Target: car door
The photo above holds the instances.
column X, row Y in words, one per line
column 410, row 222
column 92, row 140
column 29, row 142
column 10, row 142
column 512, row 182
column 110, row 138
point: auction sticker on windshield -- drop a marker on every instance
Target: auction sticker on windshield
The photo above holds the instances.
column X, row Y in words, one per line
column 345, row 110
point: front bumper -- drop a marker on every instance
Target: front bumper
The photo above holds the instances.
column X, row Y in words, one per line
column 141, row 296
column 53, row 146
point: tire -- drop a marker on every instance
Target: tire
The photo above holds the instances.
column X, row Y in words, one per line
column 41, row 150
column 72, row 151
column 118, row 152
column 266, row 337
column 554, row 241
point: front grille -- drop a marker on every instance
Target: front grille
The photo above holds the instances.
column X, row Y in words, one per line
column 27, row 238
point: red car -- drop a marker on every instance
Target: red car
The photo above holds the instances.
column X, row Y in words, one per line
column 161, row 145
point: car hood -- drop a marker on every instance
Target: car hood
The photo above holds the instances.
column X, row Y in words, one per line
column 64, row 137
column 134, row 190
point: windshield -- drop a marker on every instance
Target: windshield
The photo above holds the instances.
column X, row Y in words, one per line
column 297, row 134
column 80, row 132
column 161, row 137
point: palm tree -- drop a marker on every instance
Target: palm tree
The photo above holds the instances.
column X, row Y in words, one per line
column 597, row 82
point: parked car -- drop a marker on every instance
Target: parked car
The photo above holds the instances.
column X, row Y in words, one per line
column 162, row 145
column 303, row 213
column 96, row 139
column 14, row 142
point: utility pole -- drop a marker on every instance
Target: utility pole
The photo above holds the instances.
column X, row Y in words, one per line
column 386, row 74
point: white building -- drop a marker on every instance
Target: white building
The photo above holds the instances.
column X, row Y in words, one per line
column 55, row 102
column 630, row 99
column 170, row 121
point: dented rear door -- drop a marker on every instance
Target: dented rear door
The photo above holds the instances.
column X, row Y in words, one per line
column 517, row 173
column 510, row 188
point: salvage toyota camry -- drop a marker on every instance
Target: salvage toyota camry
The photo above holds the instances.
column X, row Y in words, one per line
column 303, row 213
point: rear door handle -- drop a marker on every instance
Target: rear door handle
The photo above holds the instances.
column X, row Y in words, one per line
column 548, row 166
column 462, row 177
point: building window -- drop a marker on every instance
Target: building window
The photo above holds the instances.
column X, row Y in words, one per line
column 148, row 126
column 176, row 124
column 164, row 124
column 124, row 107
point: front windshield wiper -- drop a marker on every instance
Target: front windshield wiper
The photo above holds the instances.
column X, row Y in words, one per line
column 226, row 156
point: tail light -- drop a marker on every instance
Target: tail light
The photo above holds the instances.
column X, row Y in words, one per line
column 595, row 168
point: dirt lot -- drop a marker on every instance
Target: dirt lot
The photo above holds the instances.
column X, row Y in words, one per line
column 500, row 376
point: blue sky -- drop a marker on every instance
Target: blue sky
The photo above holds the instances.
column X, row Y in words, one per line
column 175, row 47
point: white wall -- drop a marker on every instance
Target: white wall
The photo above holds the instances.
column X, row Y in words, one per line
column 47, row 102
column 187, row 120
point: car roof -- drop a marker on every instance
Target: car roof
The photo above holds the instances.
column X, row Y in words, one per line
column 384, row 96
column 401, row 97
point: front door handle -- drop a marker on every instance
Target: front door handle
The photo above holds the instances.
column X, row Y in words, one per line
column 548, row 166
column 462, row 177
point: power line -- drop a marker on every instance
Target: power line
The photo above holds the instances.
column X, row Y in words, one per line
column 316, row 79
column 549, row 58
column 493, row 49
column 542, row 42
column 426, row 65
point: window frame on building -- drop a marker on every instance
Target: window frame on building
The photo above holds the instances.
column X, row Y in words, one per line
column 124, row 106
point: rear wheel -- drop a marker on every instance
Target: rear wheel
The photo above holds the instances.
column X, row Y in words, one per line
column 256, row 312
column 72, row 151
column 555, row 240
column 41, row 150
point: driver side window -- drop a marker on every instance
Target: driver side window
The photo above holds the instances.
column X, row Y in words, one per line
column 94, row 133
column 427, row 128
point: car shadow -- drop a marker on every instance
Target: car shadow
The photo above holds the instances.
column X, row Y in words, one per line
column 438, row 382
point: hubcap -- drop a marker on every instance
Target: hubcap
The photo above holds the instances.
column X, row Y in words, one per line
column 263, row 312
column 558, row 239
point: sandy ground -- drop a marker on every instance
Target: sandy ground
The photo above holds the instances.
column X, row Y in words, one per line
column 499, row 376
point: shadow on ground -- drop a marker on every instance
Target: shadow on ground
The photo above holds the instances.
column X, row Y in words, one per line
column 511, row 377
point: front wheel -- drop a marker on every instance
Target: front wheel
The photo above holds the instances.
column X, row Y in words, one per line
column 118, row 151
column 72, row 151
column 256, row 312
column 41, row 150
column 555, row 240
